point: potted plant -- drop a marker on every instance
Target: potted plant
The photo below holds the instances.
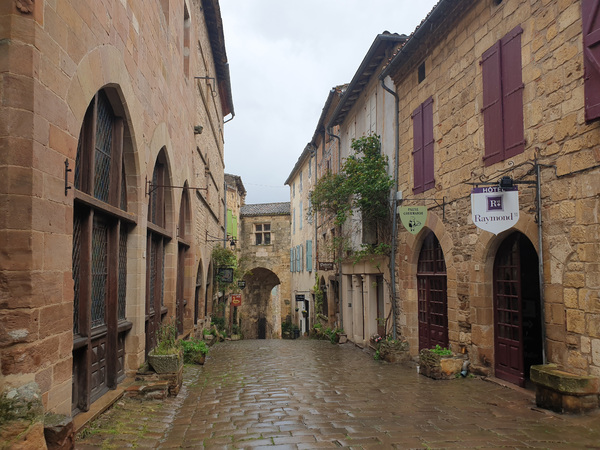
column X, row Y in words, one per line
column 393, row 350
column 167, row 356
column 194, row 351
column 440, row 363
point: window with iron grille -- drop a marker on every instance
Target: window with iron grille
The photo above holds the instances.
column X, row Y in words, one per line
column 99, row 253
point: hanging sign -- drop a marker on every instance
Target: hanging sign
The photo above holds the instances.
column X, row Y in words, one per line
column 413, row 217
column 236, row 299
column 225, row 274
column 495, row 209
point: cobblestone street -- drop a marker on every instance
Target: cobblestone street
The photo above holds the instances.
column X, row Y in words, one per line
column 308, row 394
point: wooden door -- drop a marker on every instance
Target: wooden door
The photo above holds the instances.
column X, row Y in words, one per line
column 432, row 295
column 508, row 314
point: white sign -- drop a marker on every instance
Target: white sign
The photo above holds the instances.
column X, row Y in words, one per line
column 413, row 217
column 494, row 209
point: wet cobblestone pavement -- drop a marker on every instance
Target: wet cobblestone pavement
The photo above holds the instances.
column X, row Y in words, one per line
column 309, row 394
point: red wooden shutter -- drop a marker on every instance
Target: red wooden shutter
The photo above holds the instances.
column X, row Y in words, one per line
column 418, row 149
column 590, row 11
column 512, row 93
column 492, row 105
column 428, row 175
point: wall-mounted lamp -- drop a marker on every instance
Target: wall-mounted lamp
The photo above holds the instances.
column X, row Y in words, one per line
column 506, row 182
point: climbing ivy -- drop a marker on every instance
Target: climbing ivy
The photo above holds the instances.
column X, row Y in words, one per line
column 363, row 185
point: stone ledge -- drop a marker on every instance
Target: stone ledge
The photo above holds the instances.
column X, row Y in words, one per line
column 564, row 392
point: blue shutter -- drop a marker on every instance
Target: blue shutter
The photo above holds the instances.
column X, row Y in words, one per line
column 309, row 256
column 291, row 259
column 300, row 259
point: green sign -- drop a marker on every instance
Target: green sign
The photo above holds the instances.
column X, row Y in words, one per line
column 413, row 217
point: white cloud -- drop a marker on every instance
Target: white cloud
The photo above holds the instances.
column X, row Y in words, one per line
column 284, row 58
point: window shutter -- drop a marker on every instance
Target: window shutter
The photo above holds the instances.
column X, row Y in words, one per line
column 428, row 174
column 590, row 11
column 309, row 256
column 291, row 259
column 300, row 258
column 229, row 223
column 418, row 149
column 492, row 105
column 234, row 227
column 512, row 91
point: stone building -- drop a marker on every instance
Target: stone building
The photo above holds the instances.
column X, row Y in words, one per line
column 265, row 245
column 490, row 91
column 301, row 181
column 364, row 109
column 109, row 111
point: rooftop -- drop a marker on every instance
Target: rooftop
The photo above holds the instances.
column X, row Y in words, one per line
column 266, row 209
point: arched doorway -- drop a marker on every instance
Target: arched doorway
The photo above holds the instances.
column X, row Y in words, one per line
column 261, row 309
column 183, row 244
column 199, row 294
column 101, row 227
column 157, row 239
column 432, row 294
column 517, row 314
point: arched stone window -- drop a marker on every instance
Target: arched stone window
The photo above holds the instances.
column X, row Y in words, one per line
column 101, row 226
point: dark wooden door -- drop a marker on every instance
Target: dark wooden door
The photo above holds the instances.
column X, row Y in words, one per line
column 508, row 314
column 432, row 295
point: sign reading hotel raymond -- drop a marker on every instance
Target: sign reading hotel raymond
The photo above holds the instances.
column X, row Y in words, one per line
column 413, row 217
column 236, row 299
column 494, row 209
column 325, row 266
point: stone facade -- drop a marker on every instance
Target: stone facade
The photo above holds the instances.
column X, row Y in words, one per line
column 301, row 181
column 59, row 61
column 265, row 245
column 556, row 135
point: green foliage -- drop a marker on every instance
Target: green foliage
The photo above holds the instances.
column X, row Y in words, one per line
column 364, row 185
column 166, row 339
column 218, row 322
column 224, row 257
column 322, row 332
column 441, row 351
column 192, row 347
column 377, row 356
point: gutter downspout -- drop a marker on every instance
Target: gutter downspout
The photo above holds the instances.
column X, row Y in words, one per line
column 394, row 214
column 339, row 164
column 541, row 259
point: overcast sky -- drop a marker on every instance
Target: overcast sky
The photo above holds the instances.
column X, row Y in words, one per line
column 284, row 58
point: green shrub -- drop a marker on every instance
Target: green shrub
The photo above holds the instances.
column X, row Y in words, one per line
column 166, row 339
column 192, row 347
column 441, row 351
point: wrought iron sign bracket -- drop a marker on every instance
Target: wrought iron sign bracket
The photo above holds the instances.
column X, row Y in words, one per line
column 441, row 203
column 150, row 188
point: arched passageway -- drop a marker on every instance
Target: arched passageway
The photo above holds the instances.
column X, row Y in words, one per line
column 260, row 311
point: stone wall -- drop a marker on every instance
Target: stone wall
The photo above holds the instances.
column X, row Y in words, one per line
column 270, row 263
column 555, row 133
column 55, row 58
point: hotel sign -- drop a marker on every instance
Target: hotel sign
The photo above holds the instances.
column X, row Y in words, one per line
column 325, row 266
column 495, row 209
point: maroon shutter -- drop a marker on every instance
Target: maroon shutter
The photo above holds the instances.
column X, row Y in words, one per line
column 418, row 149
column 590, row 11
column 512, row 93
column 492, row 105
column 428, row 177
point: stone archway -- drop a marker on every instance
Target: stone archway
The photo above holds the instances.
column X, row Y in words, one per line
column 261, row 308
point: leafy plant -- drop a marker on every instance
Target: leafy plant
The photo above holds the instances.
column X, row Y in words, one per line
column 441, row 351
column 166, row 339
column 192, row 347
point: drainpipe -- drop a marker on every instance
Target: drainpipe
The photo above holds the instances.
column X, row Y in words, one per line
column 541, row 259
column 339, row 164
column 394, row 214
column 225, row 232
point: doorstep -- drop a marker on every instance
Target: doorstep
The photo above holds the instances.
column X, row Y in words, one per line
column 101, row 405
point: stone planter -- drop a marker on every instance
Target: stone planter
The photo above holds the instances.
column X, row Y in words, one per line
column 394, row 351
column 342, row 338
column 235, row 337
column 165, row 363
column 197, row 358
column 439, row 367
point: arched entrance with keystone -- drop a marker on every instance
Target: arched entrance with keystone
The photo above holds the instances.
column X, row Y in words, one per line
column 261, row 308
